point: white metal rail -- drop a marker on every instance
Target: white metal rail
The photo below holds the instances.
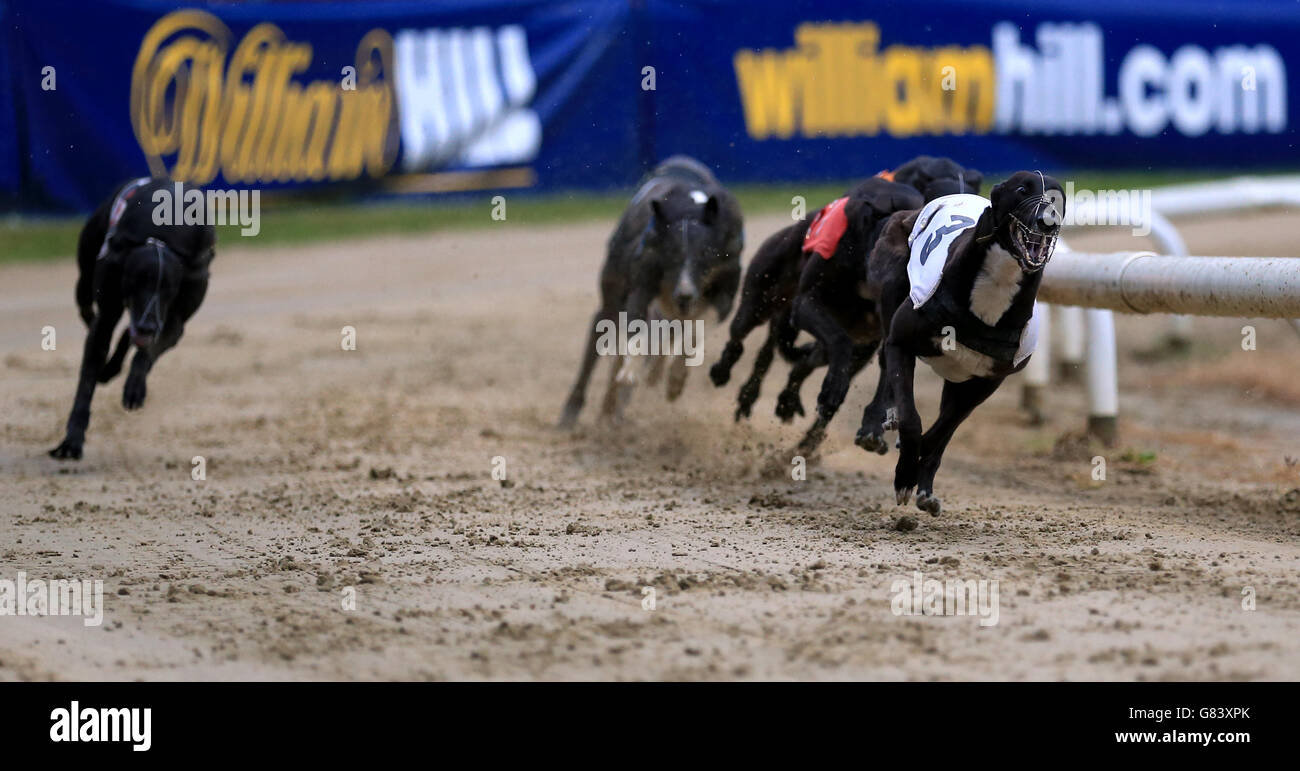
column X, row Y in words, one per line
column 1142, row 282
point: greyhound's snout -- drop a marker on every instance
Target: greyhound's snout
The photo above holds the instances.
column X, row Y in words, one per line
column 685, row 293
column 143, row 333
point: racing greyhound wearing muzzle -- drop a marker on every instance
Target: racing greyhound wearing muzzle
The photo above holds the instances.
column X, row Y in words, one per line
column 155, row 272
column 957, row 282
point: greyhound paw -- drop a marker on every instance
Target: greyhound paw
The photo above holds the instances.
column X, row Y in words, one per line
column 905, row 479
column 611, row 420
column 810, row 442
column 871, row 441
column 719, row 374
column 569, row 418
column 134, row 392
column 777, row 464
column 745, row 402
column 626, row 375
column 788, row 405
column 928, row 502
column 67, row 450
column 743, row 410
column 676, row 384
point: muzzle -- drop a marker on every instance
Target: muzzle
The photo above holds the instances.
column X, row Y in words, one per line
column 151, row 317
column 1034, row 245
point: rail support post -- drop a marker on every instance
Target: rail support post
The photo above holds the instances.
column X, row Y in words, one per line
column 1170, row 241
column 1102, row 376
column 1038, row 371
column 1072, row 342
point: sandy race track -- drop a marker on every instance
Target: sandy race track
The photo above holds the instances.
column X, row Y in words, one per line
column 366, row 474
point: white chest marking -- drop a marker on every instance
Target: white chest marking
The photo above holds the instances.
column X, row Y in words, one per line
column 960, row 364
column 995, row 286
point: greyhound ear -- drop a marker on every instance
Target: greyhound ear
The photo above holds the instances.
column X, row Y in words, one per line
column 658, row 219
column 996, row 193
column 974, row 178
column 710, row 214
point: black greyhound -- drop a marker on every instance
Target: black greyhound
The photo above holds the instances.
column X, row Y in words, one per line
column 772, row 279
column 158, row 273
column 973, row 324
column 675, row 253
column 831, row 302
column 937, row 177
column 768, row 289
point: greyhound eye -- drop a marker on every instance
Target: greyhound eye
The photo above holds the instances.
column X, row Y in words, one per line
column 1021, row 190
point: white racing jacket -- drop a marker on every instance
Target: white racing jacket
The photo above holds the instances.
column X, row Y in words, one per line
column 937, row 227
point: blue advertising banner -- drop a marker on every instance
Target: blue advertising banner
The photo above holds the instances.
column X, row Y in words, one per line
column 842, row 88
column 420, row 96
column 404, row 96
column 9, row 169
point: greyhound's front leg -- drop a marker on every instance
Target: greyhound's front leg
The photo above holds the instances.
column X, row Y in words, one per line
column 133, row 392
column 748, row 393
column 720, row 372
column 902, row 368
column 788, row 403
column 811, row 315
column 957, row 403
column 623, row 377
column 98, row 339
column 871, row 435
column 142, row 362
column 748, row 316
column 677, row 373
column 654, row 370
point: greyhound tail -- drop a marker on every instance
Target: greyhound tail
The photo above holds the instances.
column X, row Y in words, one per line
column 114, row 365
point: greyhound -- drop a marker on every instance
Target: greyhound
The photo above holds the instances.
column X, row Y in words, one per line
column 157, row 273
column 955, row 284
column 674, row 253
column 831, row 303
column 772, row 279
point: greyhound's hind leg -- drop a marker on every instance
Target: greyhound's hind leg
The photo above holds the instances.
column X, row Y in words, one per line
column 622, row 381
column 871, row 435
column 677, row 372
column 654, row 370
column 901, row 366
column 749, row 391
column 578, row 395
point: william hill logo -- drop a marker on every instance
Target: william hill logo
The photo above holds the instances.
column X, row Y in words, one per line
column 1051, row 79
column 207, row 110
column 836, row 82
